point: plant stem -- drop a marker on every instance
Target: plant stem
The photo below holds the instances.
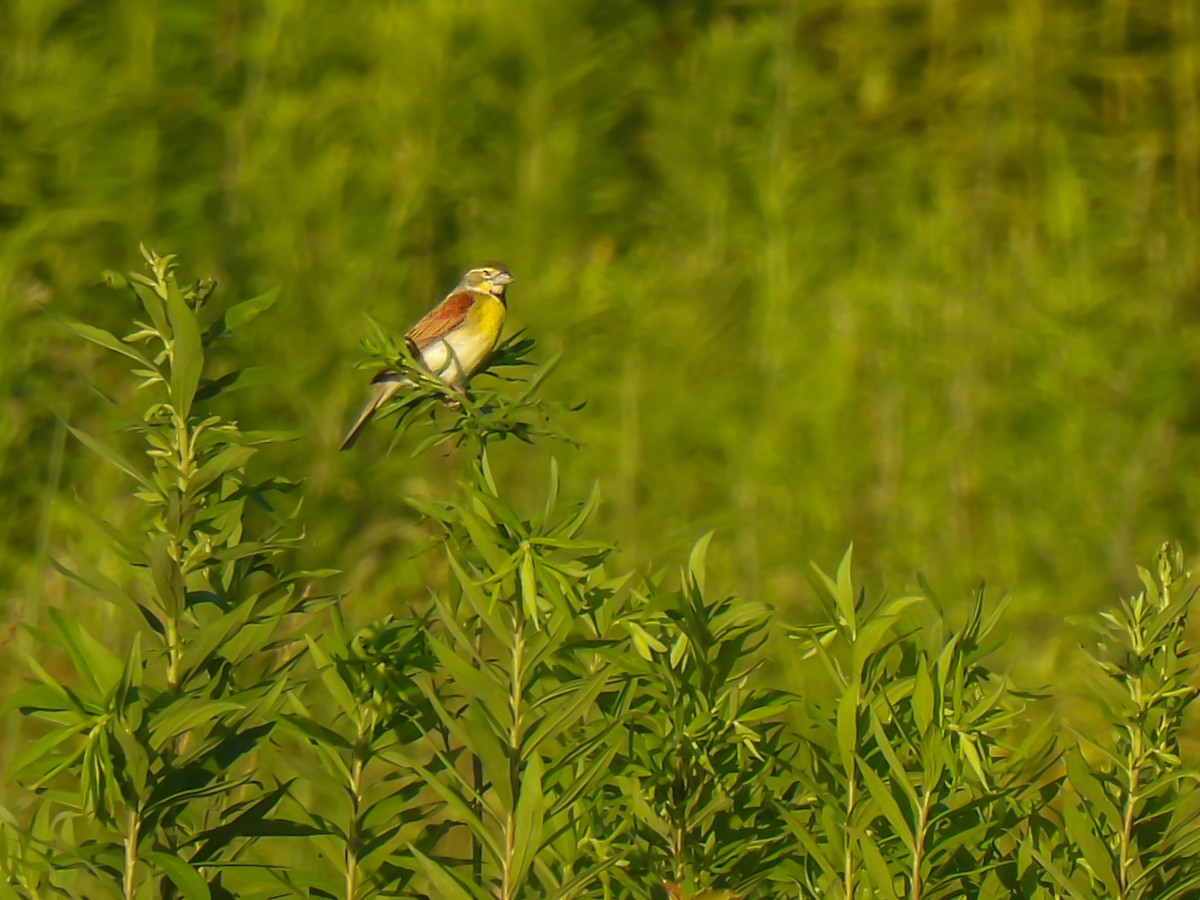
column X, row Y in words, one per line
column 357, row 765
column 852, row 795
column 133, row 827
column 477, row 781
column 919, row 847
column 1125, row 858
column 848, row 874
column 507, row 887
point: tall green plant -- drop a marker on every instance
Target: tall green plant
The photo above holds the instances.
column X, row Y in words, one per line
column 1133, row 820
column 529, row 710
column 708, row 759
column 144, row 778
column 363, row 713
column 920, row 785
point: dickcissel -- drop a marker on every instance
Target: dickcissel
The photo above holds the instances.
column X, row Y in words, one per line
column 452, row 341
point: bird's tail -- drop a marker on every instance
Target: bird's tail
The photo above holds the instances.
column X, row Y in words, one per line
column 383, row 388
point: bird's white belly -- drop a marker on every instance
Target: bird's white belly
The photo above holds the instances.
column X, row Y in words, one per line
column 456, row 356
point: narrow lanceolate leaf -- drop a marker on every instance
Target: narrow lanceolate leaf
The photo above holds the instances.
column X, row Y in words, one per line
column 445, row 885
column 844, row 592
column 1096, row 854
column 95, row 580
column 232, row 457
column 1089, row 787
column 872, row 632
column 696, row 560
column 95, row 663
column 187, row 357
column 551, row 491
column 110, row 342
column 561, row 712
column 147, row 292
column 109, row 455
column 571, row 527
column 40, row 750
column 881, row 881
column 189, row 882
column 247, row 310
column 168, row 580
column 458, row 805
column 186, row 713
column 847, row 725
column 882, row 795
column 332, row 680
column 531, row 807
column 472, row 681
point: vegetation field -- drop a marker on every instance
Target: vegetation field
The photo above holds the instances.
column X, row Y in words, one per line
column 919, row 277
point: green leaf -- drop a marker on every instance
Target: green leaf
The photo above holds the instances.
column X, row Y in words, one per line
column 136, row 762
column 111, row 456
column 41, row 748
column 114, row 280
column 844, row 592
column 645, row 643
column 872, row 632
column 446, row 886
column 187, row 355
column 571, row 527
column 333, row 680
column 564, row 711
column 457, row 804
column 240, row 379
column 1080, row 830
column 168, row 579
column 474, row 682
column 483, row 538
column 696, row 559
column 551, row 491
column 881, row 879
column 153, row 305
column 186, row 879
column 847, row 726
column 186, row 713
column 922, row 698
column 95, row 663
column 305, row 726
column 527, row 833
column 110, row 341
column 480, row 602
column 1081, row 778
column 251, row 821
column 900, row 775
column 1052, row 869
column 882, row 795
column 528, row 580
column 233, row 457
column 241, row 313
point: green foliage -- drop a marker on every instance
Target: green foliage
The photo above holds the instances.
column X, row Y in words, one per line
column 922, row 787
column 357, row 743
column 1134, row 814
column 707, row 765
column 146, row 770
column 525, row 687
column 536, row 727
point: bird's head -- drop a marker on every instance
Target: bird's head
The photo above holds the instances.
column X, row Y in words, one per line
column 491, row 278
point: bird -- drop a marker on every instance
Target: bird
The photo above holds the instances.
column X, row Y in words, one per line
column 452, row 340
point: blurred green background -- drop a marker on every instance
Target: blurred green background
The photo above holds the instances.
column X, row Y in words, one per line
column 918, row 274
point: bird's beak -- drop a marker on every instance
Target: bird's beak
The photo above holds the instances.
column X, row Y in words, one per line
column 502, row 278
